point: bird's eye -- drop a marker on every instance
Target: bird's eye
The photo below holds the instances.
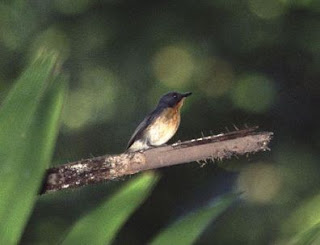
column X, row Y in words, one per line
column 175, row 95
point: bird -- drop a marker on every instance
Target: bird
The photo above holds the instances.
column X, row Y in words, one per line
column 160, row 125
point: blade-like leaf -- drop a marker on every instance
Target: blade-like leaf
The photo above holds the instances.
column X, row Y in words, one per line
column 29, row 125
column 101, row 225
column 308, row 237
column 189, row 228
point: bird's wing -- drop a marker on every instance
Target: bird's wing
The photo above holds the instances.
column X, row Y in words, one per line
column 141, row 127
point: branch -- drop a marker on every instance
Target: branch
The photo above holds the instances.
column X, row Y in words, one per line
column 98, row 169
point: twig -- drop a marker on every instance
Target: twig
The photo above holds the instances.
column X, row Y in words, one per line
column 98, row 169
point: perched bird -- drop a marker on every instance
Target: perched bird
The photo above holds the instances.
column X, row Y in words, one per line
column 160, row 125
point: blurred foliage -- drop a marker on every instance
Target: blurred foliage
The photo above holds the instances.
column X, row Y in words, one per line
column 187, row 229
column 28, row 142
column 249, row 62
column 101, row 225
column 308, row 236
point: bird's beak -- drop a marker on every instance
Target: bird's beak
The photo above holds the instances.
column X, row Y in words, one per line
column 186, row 94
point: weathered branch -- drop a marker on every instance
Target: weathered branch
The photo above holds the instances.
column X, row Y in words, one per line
column 98, row 169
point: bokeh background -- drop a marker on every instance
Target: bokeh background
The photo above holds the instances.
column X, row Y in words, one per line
column 251, row 62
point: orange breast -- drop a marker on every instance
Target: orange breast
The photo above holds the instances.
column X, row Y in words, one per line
column 162, row 129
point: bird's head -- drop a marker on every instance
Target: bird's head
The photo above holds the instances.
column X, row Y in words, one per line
column 173, row 99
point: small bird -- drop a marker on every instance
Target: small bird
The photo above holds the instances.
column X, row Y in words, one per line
column 160, row 125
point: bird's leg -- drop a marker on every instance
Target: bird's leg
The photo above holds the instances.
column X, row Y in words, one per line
column 150, row 146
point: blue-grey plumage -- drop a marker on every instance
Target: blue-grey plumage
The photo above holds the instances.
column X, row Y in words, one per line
column 160, row 125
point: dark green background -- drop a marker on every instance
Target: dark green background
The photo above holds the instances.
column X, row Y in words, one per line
column 249, row 62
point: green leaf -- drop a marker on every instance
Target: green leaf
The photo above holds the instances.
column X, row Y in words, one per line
column 102, row 224
column 29, row 121
column 309, row 236
column 189, row 228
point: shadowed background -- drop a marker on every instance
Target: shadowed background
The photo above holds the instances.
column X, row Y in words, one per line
column 249, row 62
